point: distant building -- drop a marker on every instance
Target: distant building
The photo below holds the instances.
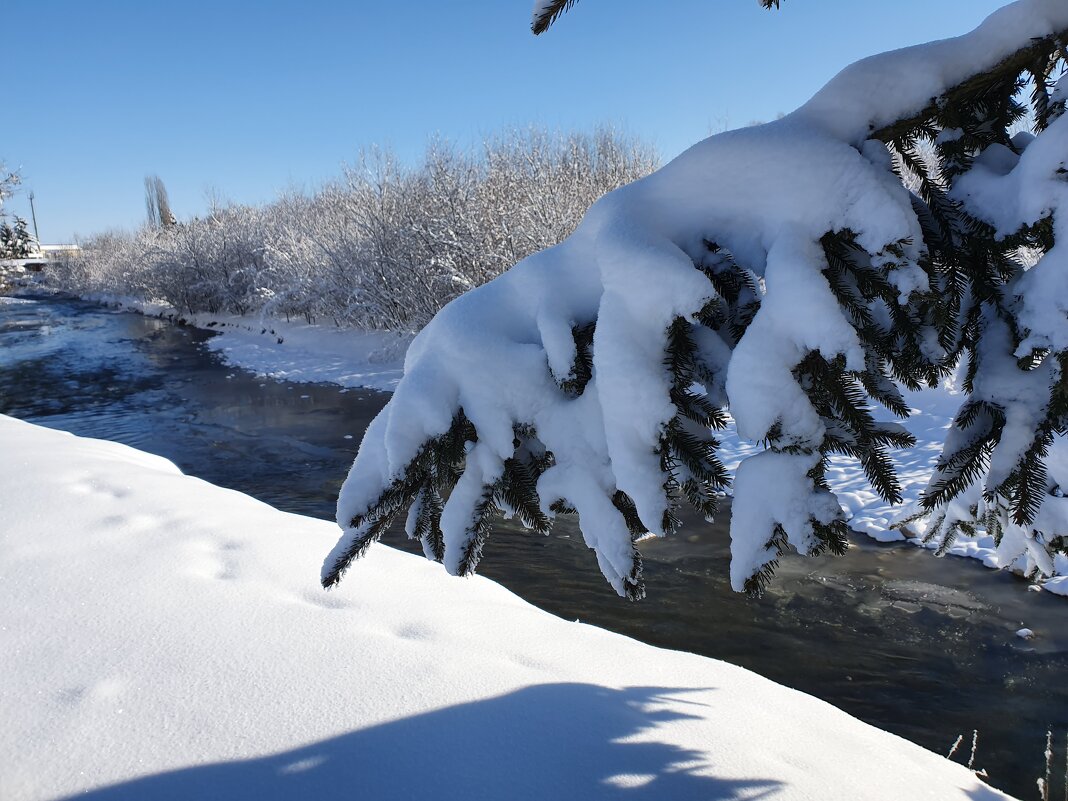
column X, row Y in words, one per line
column 46, row 254
column 59, row 250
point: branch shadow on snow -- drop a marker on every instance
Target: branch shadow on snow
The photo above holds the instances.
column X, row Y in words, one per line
column 984, row 793
column 558, row 741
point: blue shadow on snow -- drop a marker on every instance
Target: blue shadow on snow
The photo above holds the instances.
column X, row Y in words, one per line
column 551, row 741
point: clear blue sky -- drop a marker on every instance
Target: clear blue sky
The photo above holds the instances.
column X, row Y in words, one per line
column 252, row 98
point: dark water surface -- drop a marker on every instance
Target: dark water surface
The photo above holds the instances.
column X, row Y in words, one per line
column 921, row 647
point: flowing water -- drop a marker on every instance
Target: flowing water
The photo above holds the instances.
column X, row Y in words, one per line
column 921, row 647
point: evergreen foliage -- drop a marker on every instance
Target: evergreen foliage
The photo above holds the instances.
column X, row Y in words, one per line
column 16, row 241
column 546, row 12
column 976, row 299
column 971, row 310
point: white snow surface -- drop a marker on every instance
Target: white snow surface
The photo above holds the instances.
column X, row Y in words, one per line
column 766, row 194
column 1009, row 191
column 310, row 353
column 164, row 638
column 878, row 90
column 540, row 7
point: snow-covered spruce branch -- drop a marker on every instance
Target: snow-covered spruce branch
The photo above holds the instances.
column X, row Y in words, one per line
column 783, row 272
column 16, row 241
column 546, row 12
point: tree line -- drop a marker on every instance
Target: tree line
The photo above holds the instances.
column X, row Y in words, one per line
column 382, row 247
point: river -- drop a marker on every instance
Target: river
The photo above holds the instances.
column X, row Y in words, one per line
column 922, row 647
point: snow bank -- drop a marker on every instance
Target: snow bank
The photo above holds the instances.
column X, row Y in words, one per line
column 167, row 639
column 309, row 353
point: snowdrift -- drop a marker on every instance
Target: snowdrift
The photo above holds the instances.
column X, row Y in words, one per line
column 167, row 639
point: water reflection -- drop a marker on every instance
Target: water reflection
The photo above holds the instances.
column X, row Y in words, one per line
column 924, row 648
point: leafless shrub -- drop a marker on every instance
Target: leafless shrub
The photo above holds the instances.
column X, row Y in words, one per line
column 382, row 247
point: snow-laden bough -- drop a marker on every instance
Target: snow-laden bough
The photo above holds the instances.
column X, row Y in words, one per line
column 783, row 272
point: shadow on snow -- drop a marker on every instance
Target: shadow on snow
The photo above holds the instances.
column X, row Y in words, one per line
column 553, row 741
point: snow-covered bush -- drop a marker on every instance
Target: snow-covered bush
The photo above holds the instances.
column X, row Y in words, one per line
column 384, row 247
column 784, row 273
column 16, row 241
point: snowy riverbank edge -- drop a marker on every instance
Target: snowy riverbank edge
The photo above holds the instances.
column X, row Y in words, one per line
column 168, row 639
column 279, row 349
column 375, row 360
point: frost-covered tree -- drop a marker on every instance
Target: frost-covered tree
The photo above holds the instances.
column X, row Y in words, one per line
column 16, row 241
column 785, row 274
column 384, row 247
column 9, row 179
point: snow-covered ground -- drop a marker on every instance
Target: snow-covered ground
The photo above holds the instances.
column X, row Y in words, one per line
column 301, row 352
column 163, row 638
column 933, row 411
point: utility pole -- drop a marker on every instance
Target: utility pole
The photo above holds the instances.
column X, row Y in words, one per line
column 33, row 214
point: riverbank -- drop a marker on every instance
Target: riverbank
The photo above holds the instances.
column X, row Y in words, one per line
column 909, row 644
column 286, row 350
column 299, row 352
column 171, row 642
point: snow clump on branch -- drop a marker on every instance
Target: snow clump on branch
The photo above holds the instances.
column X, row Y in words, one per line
column 781, row 271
